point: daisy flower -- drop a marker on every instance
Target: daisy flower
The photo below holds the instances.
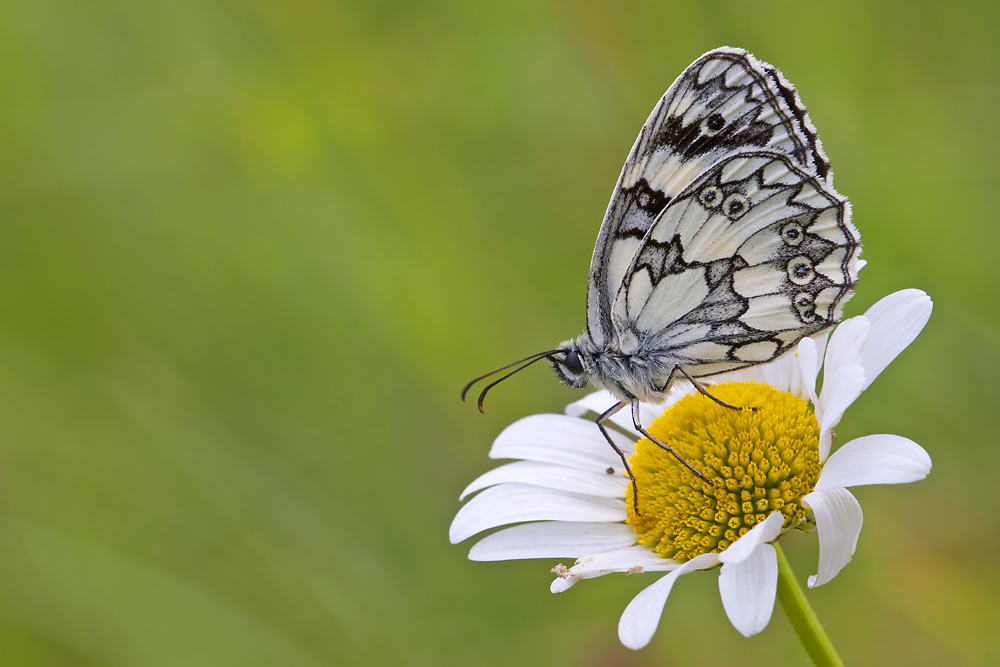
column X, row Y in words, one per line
column 772, row 468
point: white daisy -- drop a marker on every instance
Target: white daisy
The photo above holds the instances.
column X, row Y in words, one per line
column 772, row 469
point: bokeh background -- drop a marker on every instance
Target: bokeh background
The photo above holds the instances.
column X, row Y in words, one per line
column 250, row 252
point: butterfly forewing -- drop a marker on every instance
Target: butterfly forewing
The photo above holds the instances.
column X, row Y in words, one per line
column 752, row 256
column 726, row 102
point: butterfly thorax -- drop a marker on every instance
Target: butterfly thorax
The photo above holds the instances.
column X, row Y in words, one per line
column 641, row 372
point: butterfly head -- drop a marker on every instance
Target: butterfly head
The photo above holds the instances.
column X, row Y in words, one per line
column 572, row 364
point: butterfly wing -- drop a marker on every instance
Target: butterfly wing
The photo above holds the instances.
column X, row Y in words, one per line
column 751, row 257
column 725, row 102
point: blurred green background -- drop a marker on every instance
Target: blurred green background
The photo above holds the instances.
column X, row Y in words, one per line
column 251, row 251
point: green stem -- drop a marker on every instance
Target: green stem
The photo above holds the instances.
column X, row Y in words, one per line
column 803, row 618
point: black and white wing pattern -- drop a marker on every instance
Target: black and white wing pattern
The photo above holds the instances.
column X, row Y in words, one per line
column 752, row 256
column 726, row 102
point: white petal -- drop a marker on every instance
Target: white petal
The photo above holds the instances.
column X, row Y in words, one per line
column 751, row 374
column 553, row 539
column 767, row 530
column 786, row 372
column 838, row 522
column 779, row 373
column 631, row 560
column 839, row 390
column 875, row 459
column 642, row 615
column 846, row 344
column 896, row 321
column 783, row 373
column 553, row 477
column 748, row 589
column 809, row 367
column 514, row 503
column 821, row 339
column 597, row 402
column 635, row 558
column 561, row 585
column 562, row 440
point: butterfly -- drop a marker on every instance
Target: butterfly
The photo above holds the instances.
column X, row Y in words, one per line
column 724, row 243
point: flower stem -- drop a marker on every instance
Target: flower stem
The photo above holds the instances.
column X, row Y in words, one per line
column 803, row 618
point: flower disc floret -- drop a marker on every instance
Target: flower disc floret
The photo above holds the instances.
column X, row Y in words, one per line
column 761, row 461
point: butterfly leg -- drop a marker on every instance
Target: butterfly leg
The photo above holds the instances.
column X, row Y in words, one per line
column 638, row 427
column 702, row 390
column 607, row 436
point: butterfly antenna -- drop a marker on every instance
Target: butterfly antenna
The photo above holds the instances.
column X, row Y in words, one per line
column 537, row 357
column 532, row 357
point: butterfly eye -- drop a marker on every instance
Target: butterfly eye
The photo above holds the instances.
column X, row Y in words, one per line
column 712, row 124
column 792, row 234
column 710, row 197
column 573, row 363
column 735, row 206
column 800, row 270
column 806, row 306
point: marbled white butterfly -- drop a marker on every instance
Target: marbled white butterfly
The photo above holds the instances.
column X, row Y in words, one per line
column 724, row 243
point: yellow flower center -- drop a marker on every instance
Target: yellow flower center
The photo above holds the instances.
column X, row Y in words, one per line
column 760, row 461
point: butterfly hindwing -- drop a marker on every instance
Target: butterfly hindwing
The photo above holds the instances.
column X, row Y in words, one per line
column 753, row 255
column 726, row 102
